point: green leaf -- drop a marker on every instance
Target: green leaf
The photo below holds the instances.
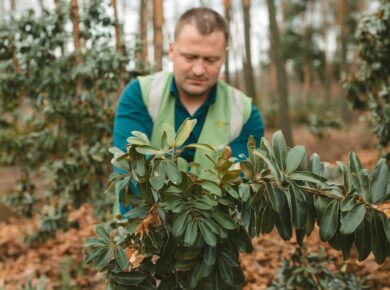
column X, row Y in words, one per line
column 141, row 136
column 103, row 259
column 359, row 175
column 128, row 278
column 267, row 220
column 299, row 207
column 205, row 147
column 184, row 131
column 226, row 273
column 210, row 255
column 244, row 191
column 208, row 235
column 187, row 253
column 121, row 258
column 147, row 150
column 170, row 132
column 321, row 203
column 230, row 176
column 379, row 182
column 172, row 171
column 191, row 233
column 280, row 149
column 307, row 176
column 212, row 187
column 232, row 192
column 363, row 239
column 94, row 242
column 185, row 265
column 247, row 169
column 294, row 158
column 224, row 220
column 136, row 141
column 386, row 226
column 276, row 197
column 347, row 176
column 348, row 203
column 329, row 222
column 102, row 233
column 180, row 223
column 274, row 170
column 351, row 219
column 316, row 166
column 378, row 239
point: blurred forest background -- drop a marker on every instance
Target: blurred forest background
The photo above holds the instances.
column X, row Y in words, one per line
column 63, row 65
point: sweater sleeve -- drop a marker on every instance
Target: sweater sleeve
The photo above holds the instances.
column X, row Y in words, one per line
column 131, row 115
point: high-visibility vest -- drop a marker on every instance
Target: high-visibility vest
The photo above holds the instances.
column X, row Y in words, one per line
column 224, row 121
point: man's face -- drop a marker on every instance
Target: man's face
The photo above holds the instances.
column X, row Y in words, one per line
column 197, row 60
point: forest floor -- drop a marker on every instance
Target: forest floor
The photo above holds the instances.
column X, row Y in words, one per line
column 59, row 262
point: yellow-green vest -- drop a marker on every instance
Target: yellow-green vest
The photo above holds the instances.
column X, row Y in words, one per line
column 224, row 121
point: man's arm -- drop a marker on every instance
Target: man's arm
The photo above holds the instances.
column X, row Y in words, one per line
column 131, row 115
column 255, row 127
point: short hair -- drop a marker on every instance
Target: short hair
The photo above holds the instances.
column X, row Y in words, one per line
column 205, row 20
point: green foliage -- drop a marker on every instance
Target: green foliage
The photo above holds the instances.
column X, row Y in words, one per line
column 369, row 88
column 48, row 126
column 187, row 231
column 310, row 271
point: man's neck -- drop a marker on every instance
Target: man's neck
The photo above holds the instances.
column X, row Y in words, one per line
column 191, row 103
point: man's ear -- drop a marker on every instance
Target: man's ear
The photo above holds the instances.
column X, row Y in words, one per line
column 171, row 49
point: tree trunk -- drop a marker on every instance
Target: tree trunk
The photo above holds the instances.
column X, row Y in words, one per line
column 143, row 56
column 281, row 75
column 343, row 14
column 248, row 69
column 158, row 37
column 76, row 39
column 13, row 5
column 228, row 6
column 327, row 68
column 119, row 46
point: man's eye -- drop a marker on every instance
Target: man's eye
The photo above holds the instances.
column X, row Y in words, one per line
column 211, row 60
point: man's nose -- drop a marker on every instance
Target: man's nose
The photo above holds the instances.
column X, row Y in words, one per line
column 198, row 68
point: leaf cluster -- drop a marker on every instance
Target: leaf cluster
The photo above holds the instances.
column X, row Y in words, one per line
column 186, row 231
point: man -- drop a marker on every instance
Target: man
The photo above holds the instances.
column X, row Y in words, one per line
column 225, row 116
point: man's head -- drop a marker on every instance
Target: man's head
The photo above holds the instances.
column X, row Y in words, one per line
column 199, row 50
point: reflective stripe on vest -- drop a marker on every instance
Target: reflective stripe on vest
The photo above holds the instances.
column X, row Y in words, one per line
column 155, row 94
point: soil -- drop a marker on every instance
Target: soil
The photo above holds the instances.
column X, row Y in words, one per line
column 60, row 259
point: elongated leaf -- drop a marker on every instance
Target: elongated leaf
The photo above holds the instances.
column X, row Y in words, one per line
column 136, row 141
column 299, row 207
column 121, row 258
column 244, row 191
column 229, row 258
column 102, row 233
column 348, row 203
column 212, row 187
column 232, row 192
column 207, row 233
column 378, row 239
column 307, row 176
column 187, row 253
column 94, row 242
column 224, row 220
column 276, row 197
column 329, row 222
column 363, row 239
column 316, row 166
column 102, row 261
column 283, row 223
column 184, row 132
column 351, row 219
column 128, row 278
column 274, row 170
column 172, row 171
column 280, row 149
column 267, row 220
column 230, row 176
column 379, row 182
column 247, row 169
column 205, row 147
column 359, row 175
column 386, row 226
column 180, row 223
column 294, row 158
column 346, row 176
column 210, row 256
column 141, row 136
column 226, row 273
column 147, row 150
column 185, row 265
column 191, row 233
